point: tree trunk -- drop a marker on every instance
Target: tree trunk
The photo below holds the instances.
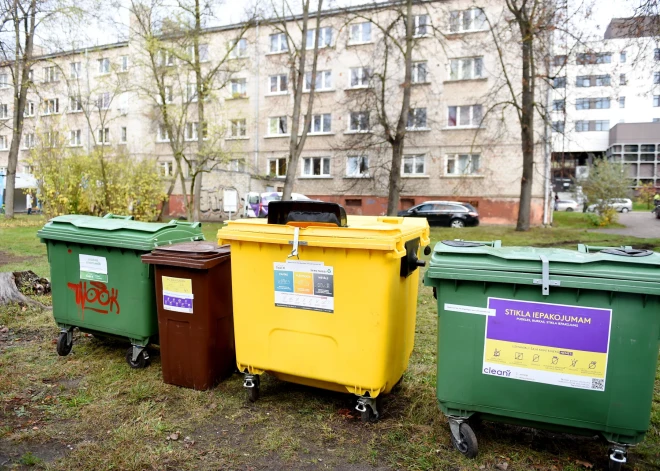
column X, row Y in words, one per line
column 526, row 130
column 201, row 96
column 21, row 67
column 9, row 292
column 395, row 179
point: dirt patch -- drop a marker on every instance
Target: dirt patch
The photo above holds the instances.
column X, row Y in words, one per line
column 7, row 258
column 12, row 453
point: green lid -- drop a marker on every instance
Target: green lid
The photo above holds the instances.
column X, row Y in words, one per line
column 119, row 231
column 616, row 269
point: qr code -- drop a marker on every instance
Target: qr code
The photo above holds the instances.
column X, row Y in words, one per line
column 598, row 384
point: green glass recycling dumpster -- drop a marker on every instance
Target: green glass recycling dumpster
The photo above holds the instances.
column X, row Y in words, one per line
column 99, row 283
column 550, row 338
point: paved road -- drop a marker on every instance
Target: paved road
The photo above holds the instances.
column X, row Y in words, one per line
column 639, row 224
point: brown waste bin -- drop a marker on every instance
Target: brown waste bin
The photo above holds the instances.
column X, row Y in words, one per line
column 195, row 317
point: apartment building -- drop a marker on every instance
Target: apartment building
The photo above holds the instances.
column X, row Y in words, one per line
column 599, row 85
column 454, row 148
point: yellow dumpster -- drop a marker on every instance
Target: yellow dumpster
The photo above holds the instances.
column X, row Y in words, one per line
column 325, row 302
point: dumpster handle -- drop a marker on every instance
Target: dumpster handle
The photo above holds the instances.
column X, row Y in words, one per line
column 194, row 225
column 584, row 248
column 545, row 280
column 294, row 250
column 116, row 216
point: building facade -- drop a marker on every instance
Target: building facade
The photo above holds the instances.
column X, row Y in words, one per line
column 598, row 85
column 455, row 148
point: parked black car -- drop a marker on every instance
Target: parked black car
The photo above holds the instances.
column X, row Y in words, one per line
column 444, row 213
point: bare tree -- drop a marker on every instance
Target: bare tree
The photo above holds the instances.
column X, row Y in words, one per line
column 21, row 19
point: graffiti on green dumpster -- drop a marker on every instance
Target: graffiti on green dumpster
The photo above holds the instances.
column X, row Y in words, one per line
column 95, row 296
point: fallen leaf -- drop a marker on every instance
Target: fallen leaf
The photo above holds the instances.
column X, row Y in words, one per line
column 503, row 466
column 174, row 436
column 4, row 330
column 586, row 464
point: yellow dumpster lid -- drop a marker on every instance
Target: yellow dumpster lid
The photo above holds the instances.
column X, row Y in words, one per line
column 387, row 233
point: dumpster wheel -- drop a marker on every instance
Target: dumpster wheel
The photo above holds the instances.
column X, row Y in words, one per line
column 467, row 443
column 618, row 457
column 141, row 361
column 251, row 383
column 64, row 343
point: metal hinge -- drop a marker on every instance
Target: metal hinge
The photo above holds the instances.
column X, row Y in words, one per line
column 545, row 280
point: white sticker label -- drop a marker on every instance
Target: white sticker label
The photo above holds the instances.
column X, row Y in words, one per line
column 483, row 311
column 93, row 268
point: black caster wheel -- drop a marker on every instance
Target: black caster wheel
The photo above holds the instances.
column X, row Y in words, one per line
column 368, row 416
column 63, row 347
column 468, row 445
column 615, row 466
column 253, row 393
column 142, row 360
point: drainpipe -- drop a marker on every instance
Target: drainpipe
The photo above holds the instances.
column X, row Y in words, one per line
column 256, row 101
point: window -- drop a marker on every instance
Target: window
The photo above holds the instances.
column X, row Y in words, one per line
column 31, row 75
column 594, row 58
column 103, row 101
column 592, row 103
column 75, row 70
column 278, row 43
column 360, row 77
column 419, row 72
column 473, row 19
column 622, row 102
column 465, row 116
column 316, row 167
column 123, row 64
column 238, row 127
column 30, row 109
column 168, row 91
column 586, row 126
column 29, row 141
column 3, row 143
column 359, row 33
column 421, row 25
column 416, row 118
column 51, row 139
column 321, row 123
column 279, row 83
column 166, row 58
column 325, row 37
column 51, row 106
column 277, row 126
column 163, row 134
column 559, row 61
column 465, row 69
column 559, row 105
column 357, row 166
column 656, row 54
column 323, row 81
column 4, row 111
column 104, row 135
column 238, row 88
column 656, row 100
column 75, row 138
column 558, row 126
column 358, row 121
column 277, row 167
column 463, row 164
column 593, row 80
column 236, row 165
column 51, row 74
column 238, row 48
column 75, row 104
column 4, row 80
column 622, row 57
column 191, row 92
column 124, row 135
column 622, row 79
column 191, row 131
column 104, row 66
column 166, row 169
column 203, row 52
column 656, row 78
column 413, row 165
column 559, row 82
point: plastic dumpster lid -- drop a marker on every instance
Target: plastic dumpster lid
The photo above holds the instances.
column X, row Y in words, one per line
column 119, row 231
column 387, row 233
column 198, row 255
column 624, row 263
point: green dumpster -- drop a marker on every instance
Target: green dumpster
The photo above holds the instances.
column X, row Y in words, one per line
column 550, row 338
column 99, row 283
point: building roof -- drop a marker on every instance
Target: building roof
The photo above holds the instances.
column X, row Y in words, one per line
column 635, row 133
column 635, row 27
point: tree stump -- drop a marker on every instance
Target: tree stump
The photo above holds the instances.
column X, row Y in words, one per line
column 11, row 284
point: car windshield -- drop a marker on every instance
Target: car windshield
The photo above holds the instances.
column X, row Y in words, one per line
column 273, row 197
column 254, row 199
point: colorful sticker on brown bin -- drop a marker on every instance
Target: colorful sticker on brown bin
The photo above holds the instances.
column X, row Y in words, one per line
column 177, row 294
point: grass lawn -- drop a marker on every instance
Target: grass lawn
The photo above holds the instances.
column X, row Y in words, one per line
column 90, row 411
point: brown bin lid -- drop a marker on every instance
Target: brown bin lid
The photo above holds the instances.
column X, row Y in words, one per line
column 200, row 255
